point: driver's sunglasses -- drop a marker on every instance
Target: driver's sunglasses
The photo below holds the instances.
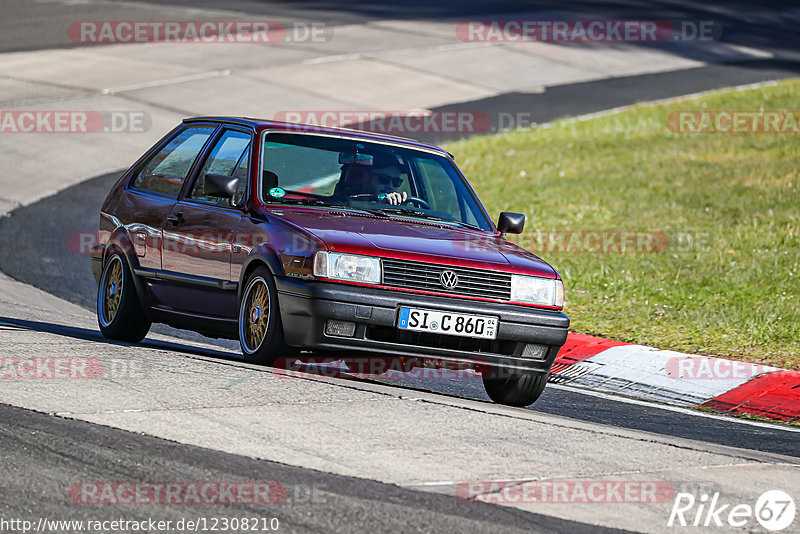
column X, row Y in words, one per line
column 386, row 179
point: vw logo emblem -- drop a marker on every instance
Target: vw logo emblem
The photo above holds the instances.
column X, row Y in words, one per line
column 448, row 279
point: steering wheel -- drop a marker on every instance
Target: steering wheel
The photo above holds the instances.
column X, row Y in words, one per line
column 422, row 203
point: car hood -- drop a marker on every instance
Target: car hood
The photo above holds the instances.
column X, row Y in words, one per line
column 416, row 241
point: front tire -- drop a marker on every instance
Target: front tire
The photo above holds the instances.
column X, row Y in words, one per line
column 515, row 388
column 119, row 312
column 260, row 327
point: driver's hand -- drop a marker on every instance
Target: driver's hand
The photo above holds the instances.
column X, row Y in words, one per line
column 396, row 198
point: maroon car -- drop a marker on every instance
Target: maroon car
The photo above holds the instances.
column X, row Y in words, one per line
column 290, row 237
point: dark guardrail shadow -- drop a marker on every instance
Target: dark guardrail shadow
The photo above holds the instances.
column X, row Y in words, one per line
column 771, row 24
column 36, row 241
column 563, row 101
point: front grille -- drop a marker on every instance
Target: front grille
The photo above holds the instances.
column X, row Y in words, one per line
column 425, row 277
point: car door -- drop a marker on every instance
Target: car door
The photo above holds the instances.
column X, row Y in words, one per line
column 154, row 189
column 199, row 231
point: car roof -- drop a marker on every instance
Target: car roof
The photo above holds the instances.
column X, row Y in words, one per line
column 261, row 124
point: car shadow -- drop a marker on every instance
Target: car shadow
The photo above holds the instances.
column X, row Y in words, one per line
column 296, row 366
column 87, row 334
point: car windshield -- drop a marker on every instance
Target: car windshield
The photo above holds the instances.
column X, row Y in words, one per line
column 354, row 174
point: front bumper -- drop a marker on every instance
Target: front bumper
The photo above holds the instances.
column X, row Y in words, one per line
column 307, row 305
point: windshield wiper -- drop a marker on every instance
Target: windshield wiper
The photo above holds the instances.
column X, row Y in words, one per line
column 417, row 213
column 305, row 202
column 409, row 211
column 381, row 212
column 465, row 225
column 319, row 202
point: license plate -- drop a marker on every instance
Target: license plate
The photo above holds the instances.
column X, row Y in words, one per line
column 442, row 322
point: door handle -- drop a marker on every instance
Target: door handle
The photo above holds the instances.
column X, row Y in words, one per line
column 176, row 220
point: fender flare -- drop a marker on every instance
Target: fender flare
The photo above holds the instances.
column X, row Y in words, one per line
column 263, row 255
column 121, row 241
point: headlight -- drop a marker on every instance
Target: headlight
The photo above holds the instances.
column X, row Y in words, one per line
column 544, row 291
column 350, row 267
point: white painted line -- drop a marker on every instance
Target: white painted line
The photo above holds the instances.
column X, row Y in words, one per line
column 193, row 11
column 608, row 475
column 678, row 409
column 331, row 59
column 394, row 52
column 753, row 52
column 167, row 81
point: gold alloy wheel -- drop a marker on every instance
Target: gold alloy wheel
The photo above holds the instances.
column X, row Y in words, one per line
column 257, row 313
column 112, row 289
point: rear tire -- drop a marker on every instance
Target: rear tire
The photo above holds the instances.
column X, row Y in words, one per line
column 260, row 327
column 515, row 388
column 119, row 312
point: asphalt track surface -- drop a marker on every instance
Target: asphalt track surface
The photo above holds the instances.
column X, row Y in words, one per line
column 39, row 234
column 44, row 239
column 27, row 25
column 43, row 456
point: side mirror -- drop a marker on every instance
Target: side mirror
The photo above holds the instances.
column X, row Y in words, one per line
column 511, row 223
column 219, row 185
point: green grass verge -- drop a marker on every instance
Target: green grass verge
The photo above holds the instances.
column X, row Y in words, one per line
column 735, row 294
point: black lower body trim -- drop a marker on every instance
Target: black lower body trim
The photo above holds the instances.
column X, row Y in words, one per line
column 307, row 306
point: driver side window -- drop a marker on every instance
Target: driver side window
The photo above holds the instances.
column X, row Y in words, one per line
column 242, row 173
column 443, row 194
column 226, row 159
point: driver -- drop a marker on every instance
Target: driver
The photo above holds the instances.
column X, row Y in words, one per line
column 380, row 181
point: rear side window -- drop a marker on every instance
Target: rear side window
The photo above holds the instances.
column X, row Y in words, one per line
column 164, row 173
column 227, row 158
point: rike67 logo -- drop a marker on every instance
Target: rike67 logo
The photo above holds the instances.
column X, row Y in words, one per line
column 774, row 510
